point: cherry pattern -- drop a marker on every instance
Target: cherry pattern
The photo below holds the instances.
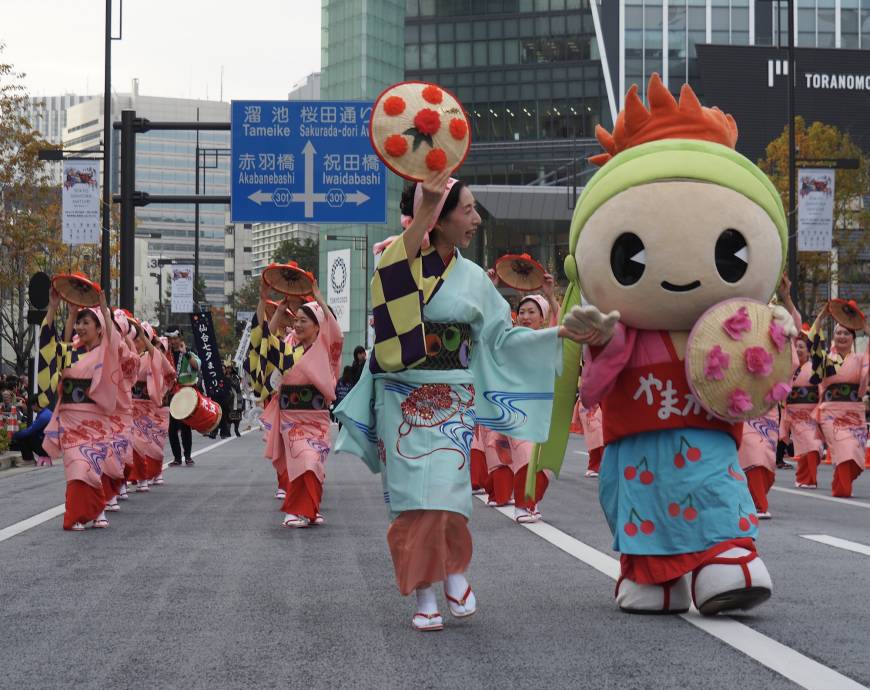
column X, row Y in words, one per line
column 631, row 529
column 746, row 520
column 689, row 513
column 734, row 474
column 692, row 454
column 640, row 470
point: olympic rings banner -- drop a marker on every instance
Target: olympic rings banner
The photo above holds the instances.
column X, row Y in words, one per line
column 338, row 286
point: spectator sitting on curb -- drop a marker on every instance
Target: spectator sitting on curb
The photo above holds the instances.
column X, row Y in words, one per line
column 29, row 441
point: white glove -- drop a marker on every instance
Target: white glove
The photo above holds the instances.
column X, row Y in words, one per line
column 588, row 325
column 785, row 320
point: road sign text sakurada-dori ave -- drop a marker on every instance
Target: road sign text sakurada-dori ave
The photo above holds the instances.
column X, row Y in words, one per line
column 305, row 162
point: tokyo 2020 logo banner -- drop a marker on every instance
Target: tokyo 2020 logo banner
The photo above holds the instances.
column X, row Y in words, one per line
column 338, row 286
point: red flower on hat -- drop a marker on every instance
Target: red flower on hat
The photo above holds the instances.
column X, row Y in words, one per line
column 427, row 121
column 395, row 145
column 436, row 159
column 458, row 128
column 394, row 105
column 433, row 94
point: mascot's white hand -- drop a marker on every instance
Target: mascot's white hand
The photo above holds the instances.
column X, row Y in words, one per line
column 785, row 321
column 588, row 325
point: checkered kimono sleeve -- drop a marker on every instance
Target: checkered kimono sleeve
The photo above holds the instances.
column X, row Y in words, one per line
column 255, row 364
column 54, row 357
column 400, row 289
column 824, row 363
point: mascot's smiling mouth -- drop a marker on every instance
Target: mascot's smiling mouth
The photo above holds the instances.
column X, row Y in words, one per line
column 681, row 288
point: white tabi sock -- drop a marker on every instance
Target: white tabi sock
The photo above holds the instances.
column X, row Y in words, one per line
column 456, row 585
column 426, row 602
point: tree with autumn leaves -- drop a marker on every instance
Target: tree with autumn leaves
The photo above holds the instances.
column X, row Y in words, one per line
column 851, row 232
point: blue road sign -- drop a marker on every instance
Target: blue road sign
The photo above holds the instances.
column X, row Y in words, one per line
column 305, row 162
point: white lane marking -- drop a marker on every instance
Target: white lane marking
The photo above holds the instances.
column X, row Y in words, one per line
column 776, row 656
column 46, row 515
column 813, row 493
column 839, row 543
column 582, row 452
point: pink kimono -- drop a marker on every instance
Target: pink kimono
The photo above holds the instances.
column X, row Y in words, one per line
column 156, row 377
column 84, row 427
column 842, row 420
column 593, row 435
column 297, row 436
column 800, row 418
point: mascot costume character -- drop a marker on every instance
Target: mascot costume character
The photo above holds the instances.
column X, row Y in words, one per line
column 676, row 239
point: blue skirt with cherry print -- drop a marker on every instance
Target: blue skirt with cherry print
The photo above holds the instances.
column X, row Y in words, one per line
column 675, row 491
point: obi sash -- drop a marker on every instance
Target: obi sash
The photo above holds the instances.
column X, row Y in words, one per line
column 842, row 392
column 448, row 346
column 804, row 395
column 300, row 398
column 75, row 391
column 140, row 391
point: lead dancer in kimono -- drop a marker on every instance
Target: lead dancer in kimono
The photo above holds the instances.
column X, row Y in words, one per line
column 156, row 377
column 445, row 354
column 86, row 379
column 842, row 376
column 297, row 418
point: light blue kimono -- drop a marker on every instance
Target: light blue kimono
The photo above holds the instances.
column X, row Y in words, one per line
column 415, row 426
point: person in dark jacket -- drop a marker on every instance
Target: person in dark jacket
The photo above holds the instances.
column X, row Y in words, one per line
column 359, row 363
column 28, row 441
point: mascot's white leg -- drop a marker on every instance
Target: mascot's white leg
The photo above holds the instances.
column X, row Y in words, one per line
column 671, row 597
column 735, row 579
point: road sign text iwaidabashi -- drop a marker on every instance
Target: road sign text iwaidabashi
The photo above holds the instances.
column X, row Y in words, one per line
column 305, row 162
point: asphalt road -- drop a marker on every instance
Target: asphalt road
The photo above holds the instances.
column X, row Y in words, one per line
column 197, row 585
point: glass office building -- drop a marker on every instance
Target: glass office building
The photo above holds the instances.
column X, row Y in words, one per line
column 362, row 53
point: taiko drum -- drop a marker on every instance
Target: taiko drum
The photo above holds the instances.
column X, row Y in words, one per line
column 200, row 413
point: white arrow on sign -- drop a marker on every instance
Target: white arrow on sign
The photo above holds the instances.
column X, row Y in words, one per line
column 260, row 196
column 358, row 197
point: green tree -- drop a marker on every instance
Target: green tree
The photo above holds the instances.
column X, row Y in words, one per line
column 851, row 216
column 29, row 218
column 305, row 252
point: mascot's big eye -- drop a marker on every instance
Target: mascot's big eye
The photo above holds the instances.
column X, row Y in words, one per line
column 628, row 258
column 732, row 255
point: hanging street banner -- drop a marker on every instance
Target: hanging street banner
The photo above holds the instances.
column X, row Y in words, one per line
column 182, row 288
column 305, row 162
column 80, row 198
column 338, row 286
column 815, row 208
column 209, row 354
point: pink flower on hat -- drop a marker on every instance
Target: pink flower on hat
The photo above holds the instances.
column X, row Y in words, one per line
column 738, row 324
column 758, row 361
column 716, row 362
column 779, row 393
column 739, row 402
column 778, row 336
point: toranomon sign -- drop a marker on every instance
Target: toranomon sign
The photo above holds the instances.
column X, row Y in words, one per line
column 847, row 82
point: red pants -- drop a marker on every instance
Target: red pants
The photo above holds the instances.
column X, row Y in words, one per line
column 595, row 456
column 303, row 496
column 153, row 467
column 541, row 484
column 479, row 473
column 111, row 487
column 844, row 474
column 139, row 473
column 759, row 479
column 807, row 468
column 282, row 480
column 500, row 485
column 83, row 503
column 867, row 459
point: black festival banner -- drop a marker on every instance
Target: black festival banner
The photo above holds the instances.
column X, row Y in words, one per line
column 207, row 349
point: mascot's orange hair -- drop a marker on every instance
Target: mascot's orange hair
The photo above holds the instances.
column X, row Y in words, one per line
column 665, row 119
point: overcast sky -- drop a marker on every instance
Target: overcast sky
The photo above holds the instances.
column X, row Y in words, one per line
column 175, row 47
